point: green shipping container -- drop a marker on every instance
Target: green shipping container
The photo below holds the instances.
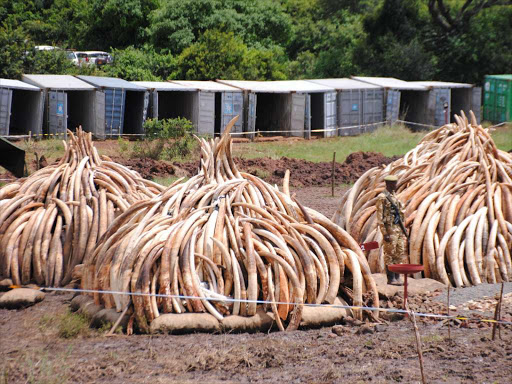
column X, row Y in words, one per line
column 498, row 98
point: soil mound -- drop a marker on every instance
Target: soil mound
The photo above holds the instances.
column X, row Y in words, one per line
column 303, row 173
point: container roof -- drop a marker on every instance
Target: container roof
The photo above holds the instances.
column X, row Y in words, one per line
column 256, row 86
column 163, row 86
column 391, row 82
column 301, row 86
column 63, row 82
column 111, row 82
column 344, row 83
column 442, row 84
column 16, row 84
column 206, row 85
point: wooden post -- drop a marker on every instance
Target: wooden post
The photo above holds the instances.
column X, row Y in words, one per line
column 332, row 175
column 412, row 317
column 448, row 313
column 497, row 313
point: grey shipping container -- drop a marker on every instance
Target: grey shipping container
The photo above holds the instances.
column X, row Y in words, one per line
column 124, row 106
column 404, row 100
column 168, row 100
column 21, row 108
column 213, row 105
column 455, row 96
column 359, row 105
column 69, row 103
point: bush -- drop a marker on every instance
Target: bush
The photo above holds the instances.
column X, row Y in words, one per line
column 166, row 139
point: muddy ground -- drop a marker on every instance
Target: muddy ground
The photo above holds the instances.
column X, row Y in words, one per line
column 47, row 344
column 38, row 345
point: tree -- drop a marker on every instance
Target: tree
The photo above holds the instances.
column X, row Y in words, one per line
column 222, row 55
column 13, row 41
column 450, row 20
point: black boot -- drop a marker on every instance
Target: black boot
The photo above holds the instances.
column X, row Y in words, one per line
column 391, row 277
column 397, row 280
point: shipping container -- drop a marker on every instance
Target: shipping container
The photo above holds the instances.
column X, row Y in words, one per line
column 403, row 100
column 213, row 105
column 21, row 108
column 121, row 106
column 68, row 103
column 447, row 99
column 498, row 98
column 288, row 108
column 359, row 105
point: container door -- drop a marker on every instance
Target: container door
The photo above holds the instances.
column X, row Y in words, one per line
column 330, row 121
column 99, row 118
column 442, row 115
column 206, row 120
column 307, row 117
column 476, row 102
column 232, row 105
column 145, row 110
column 39, row 118
column 392, row 105
column 298, row 114
column 57, row 112
column 154, row 104
column 114, row 111
column 5, row 110
column 372, row 108
column 349, row 112
column 251, row 110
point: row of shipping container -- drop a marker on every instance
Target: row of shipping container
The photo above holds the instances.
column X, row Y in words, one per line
column 109, row 107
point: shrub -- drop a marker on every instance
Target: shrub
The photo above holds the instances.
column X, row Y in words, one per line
column 166, row 139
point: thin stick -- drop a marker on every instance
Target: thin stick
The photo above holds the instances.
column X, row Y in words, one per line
column 412, row 317
column 448, row 313
column 332, row 175
column 497, row 313
column 118, row 321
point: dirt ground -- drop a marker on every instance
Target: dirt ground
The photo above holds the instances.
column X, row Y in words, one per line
column 38, row 347
column 47, row 344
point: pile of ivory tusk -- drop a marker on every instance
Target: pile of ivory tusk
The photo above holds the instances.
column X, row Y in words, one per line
column 226, row 235
column 457, row 190
column 51, row 220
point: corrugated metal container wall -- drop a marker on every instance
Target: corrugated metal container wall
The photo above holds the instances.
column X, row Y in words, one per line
column 476, row 104
column 232, row 105
column 252, row 105
column 206, row 113
column 442, row 95
column 349, row 111
column 392, row 105
column 298, row 103
column 114, row 111
column 373, row 109
column 330, row 120
column 57, row 112
column 490, row 99
column 5, row 110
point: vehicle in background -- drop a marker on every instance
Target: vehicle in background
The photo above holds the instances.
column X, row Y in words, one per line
column 98, row 58
column 73, row 57
column 46, row 48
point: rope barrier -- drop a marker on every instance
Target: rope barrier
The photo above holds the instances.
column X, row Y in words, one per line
column 231, row 300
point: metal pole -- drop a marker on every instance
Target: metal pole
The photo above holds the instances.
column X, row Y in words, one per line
column 332, row 175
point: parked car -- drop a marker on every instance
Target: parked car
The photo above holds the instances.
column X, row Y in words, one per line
column 73, row 57
column 95, row 57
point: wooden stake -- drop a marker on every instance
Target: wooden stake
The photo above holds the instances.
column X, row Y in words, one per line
column 118, row 321
column 497, row 314
column 412, row 317
column 332, row 175
column 448, row 313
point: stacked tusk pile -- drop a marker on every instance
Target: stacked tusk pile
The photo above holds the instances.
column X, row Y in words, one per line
column 51, row 220
column 457, row 190
column 225, row 235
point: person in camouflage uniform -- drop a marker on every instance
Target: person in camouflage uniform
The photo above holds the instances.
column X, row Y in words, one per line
column 395, row 238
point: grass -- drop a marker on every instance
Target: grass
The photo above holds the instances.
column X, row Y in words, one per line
column 166, row 181
column 68, row 325
column 390, row 141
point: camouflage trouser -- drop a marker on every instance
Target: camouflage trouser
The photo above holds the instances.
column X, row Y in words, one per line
column 395, row 249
